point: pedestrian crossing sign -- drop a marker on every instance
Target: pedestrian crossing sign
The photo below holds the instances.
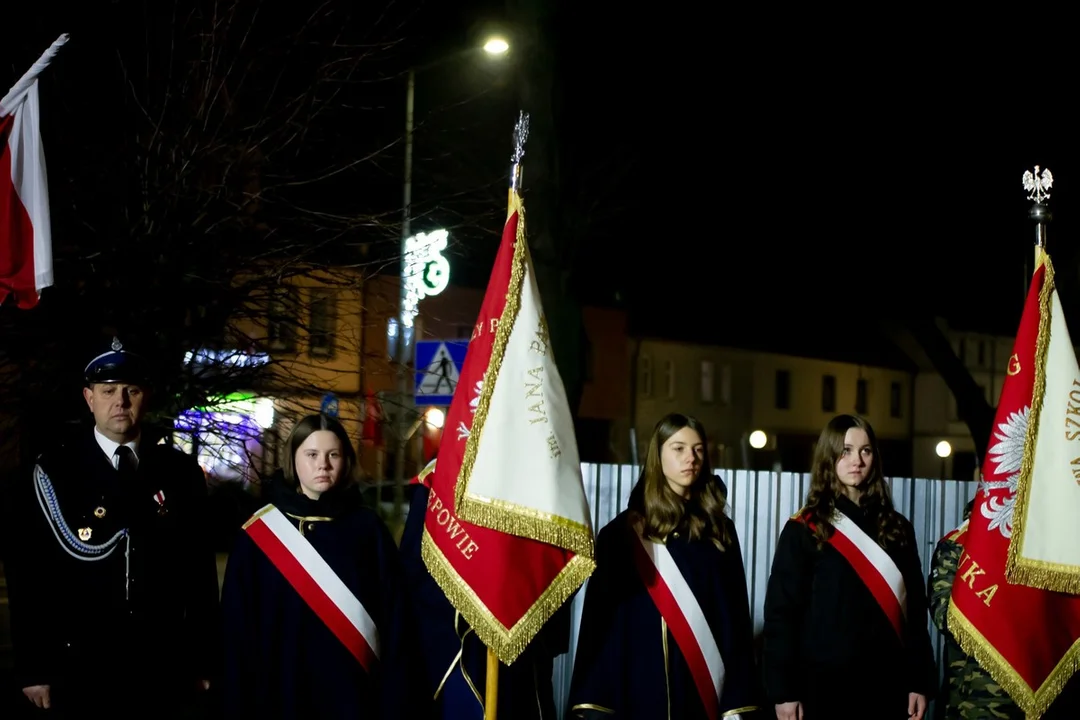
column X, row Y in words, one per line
column 438, row 369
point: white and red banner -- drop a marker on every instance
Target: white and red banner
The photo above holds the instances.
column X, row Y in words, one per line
column 507, row 534
column 874, row 567
column 678, row 605
column 1027, row 638
column 25, row 230
column 1044, row 551
column 316, row 582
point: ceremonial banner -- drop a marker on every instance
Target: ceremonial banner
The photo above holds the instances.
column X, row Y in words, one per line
column 1045, row 551
column 507, row 533
column 25, row 231
column 1025, row 637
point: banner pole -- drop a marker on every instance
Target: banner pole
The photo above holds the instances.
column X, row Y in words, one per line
column 491, row 690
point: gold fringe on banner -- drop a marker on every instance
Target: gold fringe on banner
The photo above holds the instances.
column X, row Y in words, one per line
column 507, row 643
column 1033, row 702
column 1018, row 569
column 498, row 514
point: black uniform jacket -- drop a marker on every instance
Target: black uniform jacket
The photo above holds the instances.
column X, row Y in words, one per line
column 103, row 575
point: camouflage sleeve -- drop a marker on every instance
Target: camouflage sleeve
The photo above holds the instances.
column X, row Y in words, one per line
column 942, row 571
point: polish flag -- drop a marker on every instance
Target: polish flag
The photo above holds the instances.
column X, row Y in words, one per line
column 25, row 234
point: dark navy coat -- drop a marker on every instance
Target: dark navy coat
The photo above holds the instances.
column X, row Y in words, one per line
column 281, row 660
column 622, row 670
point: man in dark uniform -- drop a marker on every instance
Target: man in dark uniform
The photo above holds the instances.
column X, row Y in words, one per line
column 112, row 578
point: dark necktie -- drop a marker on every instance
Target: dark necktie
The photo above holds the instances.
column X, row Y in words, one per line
column 125, row 465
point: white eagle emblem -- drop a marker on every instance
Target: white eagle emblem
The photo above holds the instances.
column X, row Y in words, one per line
column 1007, row 453
column 462, row 431
column 1038, row 186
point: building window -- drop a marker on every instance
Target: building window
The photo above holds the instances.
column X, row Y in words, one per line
column 895, row 399
column 862, row 405
column 725, row 385
column 707, row 381
column 669, row 378
column 783, row 389
column 323, row 322
column 281, row 318
column 828, row 393
column 645, row 367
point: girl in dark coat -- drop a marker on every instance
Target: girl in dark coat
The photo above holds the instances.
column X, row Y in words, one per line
column 289, row 652
column 834, row 648
column 665, row 631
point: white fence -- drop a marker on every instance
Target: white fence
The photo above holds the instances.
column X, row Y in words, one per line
column 760, row 503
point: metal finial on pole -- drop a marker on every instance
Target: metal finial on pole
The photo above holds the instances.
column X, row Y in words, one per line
column 521, row 135
column 1038, row 185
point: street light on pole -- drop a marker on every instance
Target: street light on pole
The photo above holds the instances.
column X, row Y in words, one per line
column 402, row 326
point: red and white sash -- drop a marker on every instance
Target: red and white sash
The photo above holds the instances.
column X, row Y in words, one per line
column 682, row 613
column 873, row 566
column 316, row 582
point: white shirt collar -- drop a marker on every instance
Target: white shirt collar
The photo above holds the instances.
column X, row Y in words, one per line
column 109, row 447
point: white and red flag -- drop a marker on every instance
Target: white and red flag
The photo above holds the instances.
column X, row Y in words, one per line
column 1022, row 527
column 507, row 534
column 25, row 233
column 1044, row 552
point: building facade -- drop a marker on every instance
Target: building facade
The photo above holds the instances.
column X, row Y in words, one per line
column 737, row 393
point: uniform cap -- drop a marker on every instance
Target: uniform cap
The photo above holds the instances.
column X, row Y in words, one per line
column 116, row 366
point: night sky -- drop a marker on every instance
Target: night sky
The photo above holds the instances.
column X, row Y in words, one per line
column 838, row 176
column 729, row 166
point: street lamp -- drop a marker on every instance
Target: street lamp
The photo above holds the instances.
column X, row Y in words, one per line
column 758, row 438
column 403, row 331
column 435, row 417
column 943, row 450
column 496, row 46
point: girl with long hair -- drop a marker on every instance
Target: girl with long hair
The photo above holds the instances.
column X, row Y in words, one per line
column 665, row 630
column 845, row 609
column 317, row 624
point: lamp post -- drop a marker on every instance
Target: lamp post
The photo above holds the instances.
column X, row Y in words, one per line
column 495, row 46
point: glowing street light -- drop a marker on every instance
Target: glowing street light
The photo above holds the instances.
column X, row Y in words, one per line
column 496, row 46
column 758, row 438
column 435, row 417
column 943, row 449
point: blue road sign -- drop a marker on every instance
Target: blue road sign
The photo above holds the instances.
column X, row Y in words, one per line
column 438, row 367
column 329, row 406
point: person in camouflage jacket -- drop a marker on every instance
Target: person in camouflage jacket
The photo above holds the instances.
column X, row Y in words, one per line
column 967, row 691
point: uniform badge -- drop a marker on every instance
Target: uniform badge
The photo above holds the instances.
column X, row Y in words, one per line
column 85, row 533
column 99, row 512
column 159, row 496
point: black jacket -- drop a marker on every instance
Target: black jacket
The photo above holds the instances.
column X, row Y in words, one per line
column 102, row 575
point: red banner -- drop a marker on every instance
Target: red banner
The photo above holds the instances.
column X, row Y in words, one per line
column 505, row 584
column 1026, row 638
